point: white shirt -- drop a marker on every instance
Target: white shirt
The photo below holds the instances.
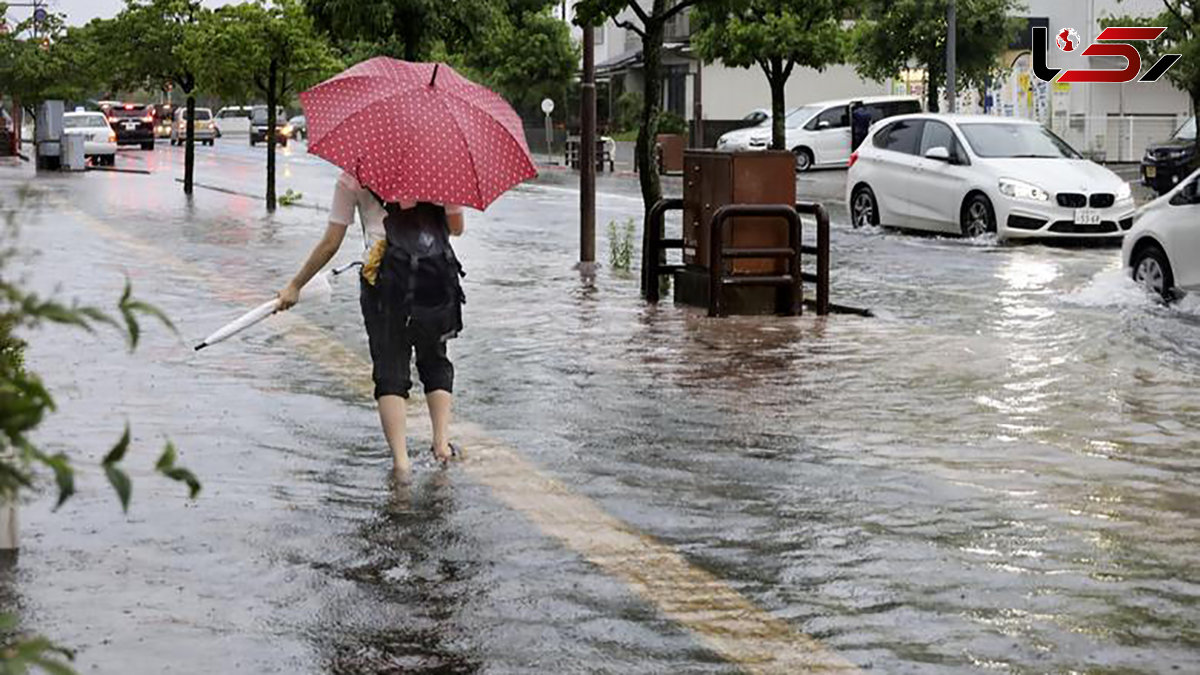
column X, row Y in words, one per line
column 349, row 194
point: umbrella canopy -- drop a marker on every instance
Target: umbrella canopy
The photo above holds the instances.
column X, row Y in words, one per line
column 418, row 132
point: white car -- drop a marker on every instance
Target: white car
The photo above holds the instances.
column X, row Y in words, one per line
column 1162, row 251
column 100, row 141
column 819, row 133
column 232, row 121
column 975, row 174
column 203, row 129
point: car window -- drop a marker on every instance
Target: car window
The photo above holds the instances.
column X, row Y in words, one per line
column 903, row 108
column 837, row 118
column 902, row 136
column 798, row 117
column 1186, row 131
column 136, row 111
column 1000, row 139
column 84, row 121
column 937, row 135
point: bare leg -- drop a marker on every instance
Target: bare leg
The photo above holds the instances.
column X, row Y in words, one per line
column 439, row 414
column 393, row 415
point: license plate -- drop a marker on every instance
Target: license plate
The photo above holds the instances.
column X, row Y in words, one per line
column 1151, row 171
column 130, row 126
column 1087, row 217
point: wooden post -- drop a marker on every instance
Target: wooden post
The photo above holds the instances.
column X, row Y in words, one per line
column 698, row 106
column 587, row 151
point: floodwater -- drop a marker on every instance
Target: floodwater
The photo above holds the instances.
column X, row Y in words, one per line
column 996, row 473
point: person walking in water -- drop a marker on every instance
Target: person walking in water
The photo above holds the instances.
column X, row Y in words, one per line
column 411, row 301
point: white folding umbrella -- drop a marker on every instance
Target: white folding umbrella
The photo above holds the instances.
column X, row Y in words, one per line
column 318, row 288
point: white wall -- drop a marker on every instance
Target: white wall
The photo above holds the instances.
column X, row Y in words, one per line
column 731, row 93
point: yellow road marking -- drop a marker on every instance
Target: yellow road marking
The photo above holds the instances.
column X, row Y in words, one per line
column 724, row 620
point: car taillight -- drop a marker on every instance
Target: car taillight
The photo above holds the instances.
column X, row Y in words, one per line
column 853, row 159
column 112, row 137
column 148, row 118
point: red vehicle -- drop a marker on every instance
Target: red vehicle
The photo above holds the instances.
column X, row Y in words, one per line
column 134, row 124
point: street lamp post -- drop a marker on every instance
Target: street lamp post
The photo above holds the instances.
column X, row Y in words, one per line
column 587, row 153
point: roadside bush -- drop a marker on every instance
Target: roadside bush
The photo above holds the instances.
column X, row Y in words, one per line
column 671, row 123
column 629, row 109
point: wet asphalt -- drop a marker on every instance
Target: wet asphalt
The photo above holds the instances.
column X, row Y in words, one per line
column 998, row 472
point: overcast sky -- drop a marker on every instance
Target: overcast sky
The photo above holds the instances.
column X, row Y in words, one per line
column 81, row 11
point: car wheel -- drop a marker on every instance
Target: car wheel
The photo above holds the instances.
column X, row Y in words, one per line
column 1152, row 271
column 978, row 217
column 864, row 210
column 147, row 146
column 804, row 159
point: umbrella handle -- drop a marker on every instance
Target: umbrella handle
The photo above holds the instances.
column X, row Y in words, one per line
column 338, row 271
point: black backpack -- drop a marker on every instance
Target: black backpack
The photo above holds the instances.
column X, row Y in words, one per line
column 419, row 277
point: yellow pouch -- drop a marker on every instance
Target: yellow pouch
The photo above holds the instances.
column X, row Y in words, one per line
column 370, row 268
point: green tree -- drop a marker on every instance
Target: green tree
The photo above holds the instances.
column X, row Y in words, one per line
column 1181, row 18
column 145, row 47
column 895, row 34
column 649, row 25
column 25, row 404
column 406, row 29
column 60, row 63
column 776, row 36
column 273, row 50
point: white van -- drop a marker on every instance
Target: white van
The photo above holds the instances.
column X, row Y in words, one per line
column 819, row 133
column 232, row 121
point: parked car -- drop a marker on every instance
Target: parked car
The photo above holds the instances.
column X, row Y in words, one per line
column 975, row 174
column 134, row 124
column 202, row 130
column 299, row 127
column 100, row 141
column 819, row 133
column 1162, row 251
column 232, row 120
column 164, row 114
column 1165, row 164
column 259, row 125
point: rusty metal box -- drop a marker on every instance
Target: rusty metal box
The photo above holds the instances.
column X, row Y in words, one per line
column 712, row 179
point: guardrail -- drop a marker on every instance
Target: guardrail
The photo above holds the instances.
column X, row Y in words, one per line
column 655, row 244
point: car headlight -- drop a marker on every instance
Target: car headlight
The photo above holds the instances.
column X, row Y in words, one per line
column 286, row 130
column 1016, row 189
column 1124, row 192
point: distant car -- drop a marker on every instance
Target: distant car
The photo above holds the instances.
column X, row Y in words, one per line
column 299, row 127
column 819, row 133
column 100, row 141
column 134, row 124
column 259, row 126
column 232, row 121
column 164, row 113
column 1162, row 251
column 1165, row 164
column 202, row 129
column 975, row 174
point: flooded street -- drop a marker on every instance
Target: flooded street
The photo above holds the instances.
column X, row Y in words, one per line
column 996, row 473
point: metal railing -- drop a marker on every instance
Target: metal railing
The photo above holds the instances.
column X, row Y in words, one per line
column 655, row 245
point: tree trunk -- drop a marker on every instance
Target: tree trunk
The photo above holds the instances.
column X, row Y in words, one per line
column 189, row 152
column 778, row 114
column 931, row 90
column 652, row 93
column 272, row 97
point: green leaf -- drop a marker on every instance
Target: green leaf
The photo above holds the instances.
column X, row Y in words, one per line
column 64, row 475
column 145, row 308
column 120, row 483
column 166, row 466
column 118, row 451
column 98, row 316
column 132, row 329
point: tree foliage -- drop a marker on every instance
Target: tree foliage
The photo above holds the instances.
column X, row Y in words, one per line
column 257, row 49
column 774, row 35
column 898, row 34
column 60, row 63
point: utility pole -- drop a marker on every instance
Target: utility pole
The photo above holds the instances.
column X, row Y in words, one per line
column 951, row 57
column 587, row 153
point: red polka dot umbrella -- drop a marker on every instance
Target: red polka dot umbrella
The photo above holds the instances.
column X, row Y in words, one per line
column 418, row 132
